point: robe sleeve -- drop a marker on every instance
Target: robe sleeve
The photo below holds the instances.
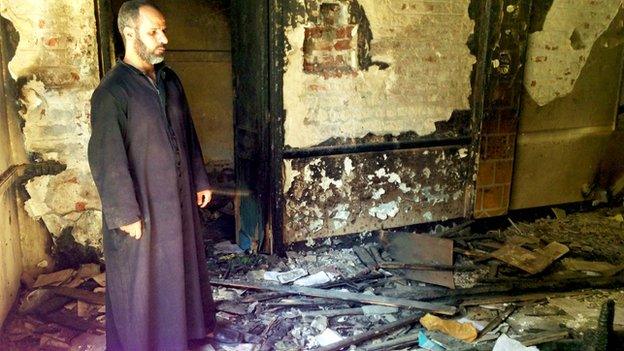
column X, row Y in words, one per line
column 200, row 176
column 109, row 162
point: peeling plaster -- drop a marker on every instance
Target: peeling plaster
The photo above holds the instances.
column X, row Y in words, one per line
column 57, row 57
column 556, row 55
column 384, row 211
column 289, row 175
column 372, row 196
column 405, row 96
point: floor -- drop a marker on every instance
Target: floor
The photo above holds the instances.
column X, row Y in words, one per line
column 549, row 292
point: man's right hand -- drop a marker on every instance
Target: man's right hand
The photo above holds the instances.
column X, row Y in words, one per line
column 135, row 229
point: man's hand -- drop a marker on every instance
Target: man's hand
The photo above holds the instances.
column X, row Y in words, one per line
column 135, row 229
column 203, row 198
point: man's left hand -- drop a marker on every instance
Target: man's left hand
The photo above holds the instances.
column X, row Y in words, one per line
column 203, row 198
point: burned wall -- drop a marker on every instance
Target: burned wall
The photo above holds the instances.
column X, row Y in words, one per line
column 364, row 70
column 574, row 70
column 56, row 67
column 558, row 52
column 369, row 66
column 343, row 194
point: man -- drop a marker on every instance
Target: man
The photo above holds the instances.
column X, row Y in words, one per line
column 147, row 164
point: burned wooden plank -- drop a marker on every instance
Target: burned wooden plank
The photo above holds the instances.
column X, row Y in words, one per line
column 372, row 334
column 428, row 267
column 79, row 294
column 495, row 300
column 422, row 249
column 530, row 261
column 341, row 295
column 496, row 321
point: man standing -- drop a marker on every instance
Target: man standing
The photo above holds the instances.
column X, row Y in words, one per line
column 147, row 164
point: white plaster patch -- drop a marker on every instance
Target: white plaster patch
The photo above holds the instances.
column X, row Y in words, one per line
column 426, row 172
column 289, row 175
column 394, row 178
column 557, row 53
column 377, row 193
column 348, row 166
column 380, row 172
column 463, row 152
column 316, row 225
column 384, row 211
column 404, row 188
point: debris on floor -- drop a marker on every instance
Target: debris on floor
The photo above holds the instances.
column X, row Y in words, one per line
column 63, row 310
column 535, row 285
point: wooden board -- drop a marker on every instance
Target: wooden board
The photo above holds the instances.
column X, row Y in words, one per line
column 530, row 261
column 423, row 249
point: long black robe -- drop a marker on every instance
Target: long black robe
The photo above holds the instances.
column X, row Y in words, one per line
column 147, row 165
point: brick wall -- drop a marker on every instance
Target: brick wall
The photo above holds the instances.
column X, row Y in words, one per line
column 381, row 67
column 56, row 64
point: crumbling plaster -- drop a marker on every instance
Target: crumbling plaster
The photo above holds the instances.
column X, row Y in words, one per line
column 428, row 77
column 57, row 59
column 557, row 53
column 343, row 194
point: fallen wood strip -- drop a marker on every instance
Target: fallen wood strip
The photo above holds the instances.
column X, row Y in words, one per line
column 334, row 313
column 341, row 295
column 79, row 294
column 428, row 267
column 519, row 298
column 540, row 338
column 404, row 341
column 372, row 334
column 496, row 321
column 337, row 283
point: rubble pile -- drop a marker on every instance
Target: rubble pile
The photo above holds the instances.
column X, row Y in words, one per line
column 528, row 286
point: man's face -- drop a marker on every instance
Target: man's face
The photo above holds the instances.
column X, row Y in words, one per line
column 150, row 34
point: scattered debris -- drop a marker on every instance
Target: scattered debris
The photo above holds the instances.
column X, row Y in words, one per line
column 507, row 281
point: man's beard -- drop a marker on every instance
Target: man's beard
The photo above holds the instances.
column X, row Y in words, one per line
column 145, row 55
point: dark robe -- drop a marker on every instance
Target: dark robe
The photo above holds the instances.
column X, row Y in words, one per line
column 147, row 165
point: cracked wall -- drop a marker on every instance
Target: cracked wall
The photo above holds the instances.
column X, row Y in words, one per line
column 56, row 66
column 374, row 66
column 557, row 53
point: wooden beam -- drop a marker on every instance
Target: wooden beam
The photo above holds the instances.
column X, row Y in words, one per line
column 372, row 334
column 79, row 294
column 341, row 295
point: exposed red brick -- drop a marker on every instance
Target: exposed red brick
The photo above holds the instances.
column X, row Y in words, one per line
column 493, row 198
column 314, row 32
column 504, row 170
column 485, row 175
column 479, row 200
column 344, row 32
column 343, row 45
column 51, row 41
column 498, row 147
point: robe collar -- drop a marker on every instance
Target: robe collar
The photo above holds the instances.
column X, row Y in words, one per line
column 159, row 68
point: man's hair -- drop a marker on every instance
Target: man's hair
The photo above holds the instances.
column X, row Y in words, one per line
column 129, row 14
